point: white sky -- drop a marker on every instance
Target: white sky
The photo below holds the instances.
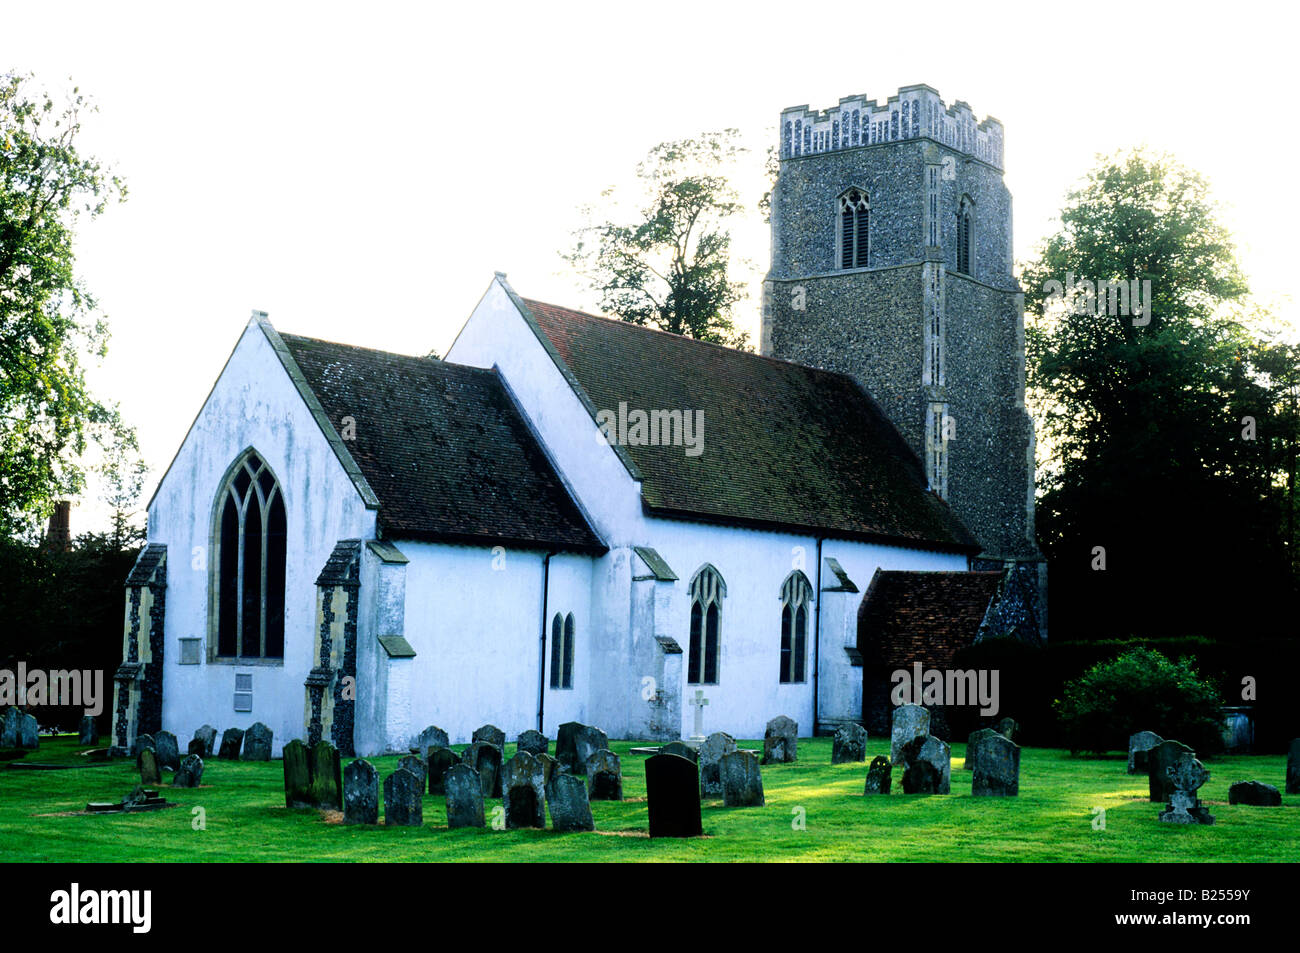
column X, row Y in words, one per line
column 359, row 171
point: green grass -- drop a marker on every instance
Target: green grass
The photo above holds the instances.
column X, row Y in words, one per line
column 1051, row 820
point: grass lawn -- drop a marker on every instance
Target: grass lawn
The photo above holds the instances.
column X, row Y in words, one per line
column 1051, row 820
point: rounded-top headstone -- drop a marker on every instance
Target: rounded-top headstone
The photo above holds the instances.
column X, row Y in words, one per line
column 909, row 721
column 849, row 744
column 360, row 793
column 534, row 742
column 781, row 740
column 672, row 796
column 491, row 734
column 257, row 742
column 1139, row 749
column 1160, row 759
column 712, row 751
column 431, row 737
column 167, row 749
column 190, row 773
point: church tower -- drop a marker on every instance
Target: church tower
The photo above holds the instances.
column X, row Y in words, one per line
column 892, row 262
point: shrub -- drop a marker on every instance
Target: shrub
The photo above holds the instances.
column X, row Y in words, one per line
column 1140, row 690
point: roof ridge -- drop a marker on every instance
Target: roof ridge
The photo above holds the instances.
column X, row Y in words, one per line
column 433, row 361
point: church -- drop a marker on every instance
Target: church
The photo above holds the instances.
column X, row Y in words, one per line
column 574, row 518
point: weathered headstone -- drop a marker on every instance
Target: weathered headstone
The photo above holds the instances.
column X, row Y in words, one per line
column 550, row 769
column 327, row 776
column 742, row 781
column 402, row 804
column 575, row 743
column 491, row 734
column 973, row 743
column 440, row 759
column 566, row 796
column 1159, row 760
column 1293, row 768
column 711, row 753
column 879, row 776
column 927, row 764
column 682, row 749
column 485, row 758
column 149, row 767
column 673, row 796
column 232, row 740
column 523, row 791
column 12, row 728
column 1254, row 794
column 88, row 733
column 207, row 739
column 849, row 744
column 417, row 766
column 604, row 776
column 190, row 773
column 909, row 721
column 1139, row 750
column 996, row 767
column 431, row 737
column 1186, row 776
column 361, row 793
column 167, row 749
column 29, row 733
column 781, row 741
column 464, row 796
column 141, row 742
column 534, row 742
column 257, row 742
column 1008, row 728
column 297, row 775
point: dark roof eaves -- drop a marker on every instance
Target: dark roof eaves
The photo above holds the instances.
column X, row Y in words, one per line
column 392, row 533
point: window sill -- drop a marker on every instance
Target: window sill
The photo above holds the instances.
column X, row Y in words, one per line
column 248, row 662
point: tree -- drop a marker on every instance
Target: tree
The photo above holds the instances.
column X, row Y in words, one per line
column 1151, row 461
column 669, row 269
column 47, row 316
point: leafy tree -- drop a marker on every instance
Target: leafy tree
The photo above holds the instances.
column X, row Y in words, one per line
column 123, row 474
column 668, row 269
column 1141, row 690
column 47, row 315
column 1146, row 462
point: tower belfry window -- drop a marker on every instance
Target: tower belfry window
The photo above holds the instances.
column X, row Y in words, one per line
column 964, row 229
column 855, row 213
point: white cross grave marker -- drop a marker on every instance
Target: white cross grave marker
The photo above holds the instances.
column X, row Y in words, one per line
column 699, row 702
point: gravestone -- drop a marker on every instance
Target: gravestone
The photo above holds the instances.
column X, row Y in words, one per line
column 742, row 781
column 879, row 776
column 550, row 769
column 566, row 796
column 232, row 739
column 327, row 776
column 996, row 767
column 523, row 792
column 1293, row 768
column 1007, row 728
column 207, row 739
column 190, row 773
column 360, row 793
column 534, row 742
column 673, row 796
column 12, row 728
column 604, row 776
column 402, row 804
column 682, row 749
column 257, row 742
column 148, row 762
column 431, row 737
column 973, row 743
column 927, row 764
column 440, row 759
column 297, row 775
column 909, row 721
column 710, row 755
column 699, row 703
column 464, row 796
column 485, row 758
column 492, row 735
column 1254, row 794
column 781, row 741
column 1139, row 750
column 29, row 733
column 167, row 749
column 1159, row 760
column 1186, row 776
column 575, row 743
column 88, row 733
column 417, row 766
column 142, row 741
column 850, row 744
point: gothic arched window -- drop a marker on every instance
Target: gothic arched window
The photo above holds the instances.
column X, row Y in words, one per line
column 796, row 594
column 965, row 254
column 249, row 562
column 707, row 592
column 562, row 651
column 855, row 213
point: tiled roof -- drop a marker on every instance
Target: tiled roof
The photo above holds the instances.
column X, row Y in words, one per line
column 443, row 447
column 924, row 617
column 785, row 446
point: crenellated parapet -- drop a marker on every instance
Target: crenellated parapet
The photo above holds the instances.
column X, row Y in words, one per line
column 915, row 112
